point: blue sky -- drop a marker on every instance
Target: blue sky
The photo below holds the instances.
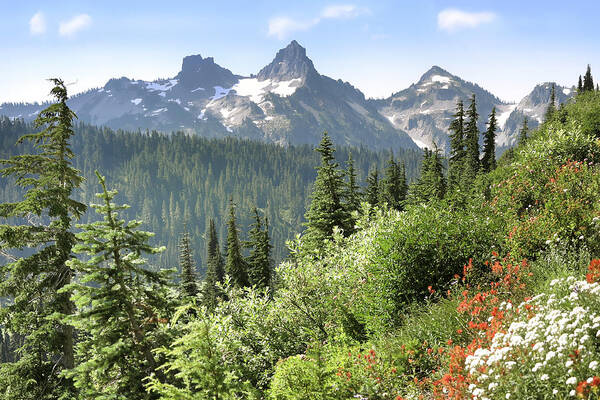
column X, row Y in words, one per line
column 378, row 46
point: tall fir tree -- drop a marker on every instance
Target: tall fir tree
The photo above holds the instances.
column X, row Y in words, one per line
column 393, row 191
column 471, row 164
column 431, row 183
column 187, row 266
column 215, row 267
column 235, row 265
column 122, row 304
column 588, row 81
column 523, row 132
column 457, row 147
column 35, row 284
column 552, row 105
column 579, row 85
column 259, row 261
column 372, row 191
column 488, row 161
column 353, row 194
column 327, row 209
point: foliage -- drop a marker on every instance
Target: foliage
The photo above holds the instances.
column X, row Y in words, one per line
column 32, row 281
column 121, row 306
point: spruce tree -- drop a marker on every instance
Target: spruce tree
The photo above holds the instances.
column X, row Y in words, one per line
column 393, row 191
column 259, row 261
column 187, row 266
column 327, row 209
column 34, row 284
column 588, row 81
column 579, row 85
column 552, row 105
column 235, row 266
column 431, row 183
column 457, row 146
column 523, row 132
column 122, row 305
column 215, row 268
column 372, row 191
column 471, row 165
column 353, row 194
column 488, row 161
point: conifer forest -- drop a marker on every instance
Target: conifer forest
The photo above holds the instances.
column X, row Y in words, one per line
column 439, row 254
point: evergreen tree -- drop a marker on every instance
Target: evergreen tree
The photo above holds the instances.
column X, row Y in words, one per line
column 372, row 191
column 259, row 261
column 326, row 209
column 393, row 185
column 431, row 183
column 353, row 194
column 403, row 185
column 235, row 265
column 35, row 284
column 121, row 303
column 579, row 85
column 552, row 105
column 187, row 266
column 523, row 132
column 488, row 161
column 215, row 268
column 457, row 146
column 588, row 81
column 471, row 165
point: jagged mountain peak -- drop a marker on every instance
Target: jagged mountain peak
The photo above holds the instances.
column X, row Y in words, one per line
column 289, row 63
column 197, row 71
column 436, row 71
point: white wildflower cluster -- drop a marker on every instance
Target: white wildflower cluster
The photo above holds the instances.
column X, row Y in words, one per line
column 551, row 345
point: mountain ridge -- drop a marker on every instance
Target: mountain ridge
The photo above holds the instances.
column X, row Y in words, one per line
column 289, row 102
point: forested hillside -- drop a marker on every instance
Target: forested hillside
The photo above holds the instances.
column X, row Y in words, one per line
column 482, row 282
column 179, row 180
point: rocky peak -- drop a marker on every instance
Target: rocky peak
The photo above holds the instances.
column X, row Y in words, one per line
column 204, row 72
column 290, row 62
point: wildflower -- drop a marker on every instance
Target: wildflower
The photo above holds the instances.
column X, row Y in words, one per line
column 571, row 381
column 593, row 365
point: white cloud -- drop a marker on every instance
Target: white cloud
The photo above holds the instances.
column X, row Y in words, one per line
column 452, row 20
column 37, row 24
column 341, row 11
column 74, row 25
column 281, row 27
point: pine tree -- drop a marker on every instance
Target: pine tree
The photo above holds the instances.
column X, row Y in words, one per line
column 552, row 105
column 235, row 265
column 372, row 192
column 353, row 194
column 523, row 132
column 122, row 304
column 215, row 268
column 187, row 266
column 35, row 283
column 488, row 161
column 579, row 85
column 588, row 81
column 431, row 183
column 259, row 261
column 471, row 165
column 403, row 185
column 457, row 146
column 326, row 209
column 393, row 187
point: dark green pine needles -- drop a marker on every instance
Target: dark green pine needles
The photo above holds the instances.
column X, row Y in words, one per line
column 35, row 284
column 122, row 306
column 327, row 209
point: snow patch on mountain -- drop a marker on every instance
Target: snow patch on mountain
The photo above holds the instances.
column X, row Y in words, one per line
column 136, row 101
column 256, row 90
column 505, row 112
column 161, row 87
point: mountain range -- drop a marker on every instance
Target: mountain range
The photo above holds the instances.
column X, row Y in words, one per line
column 289, row 102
